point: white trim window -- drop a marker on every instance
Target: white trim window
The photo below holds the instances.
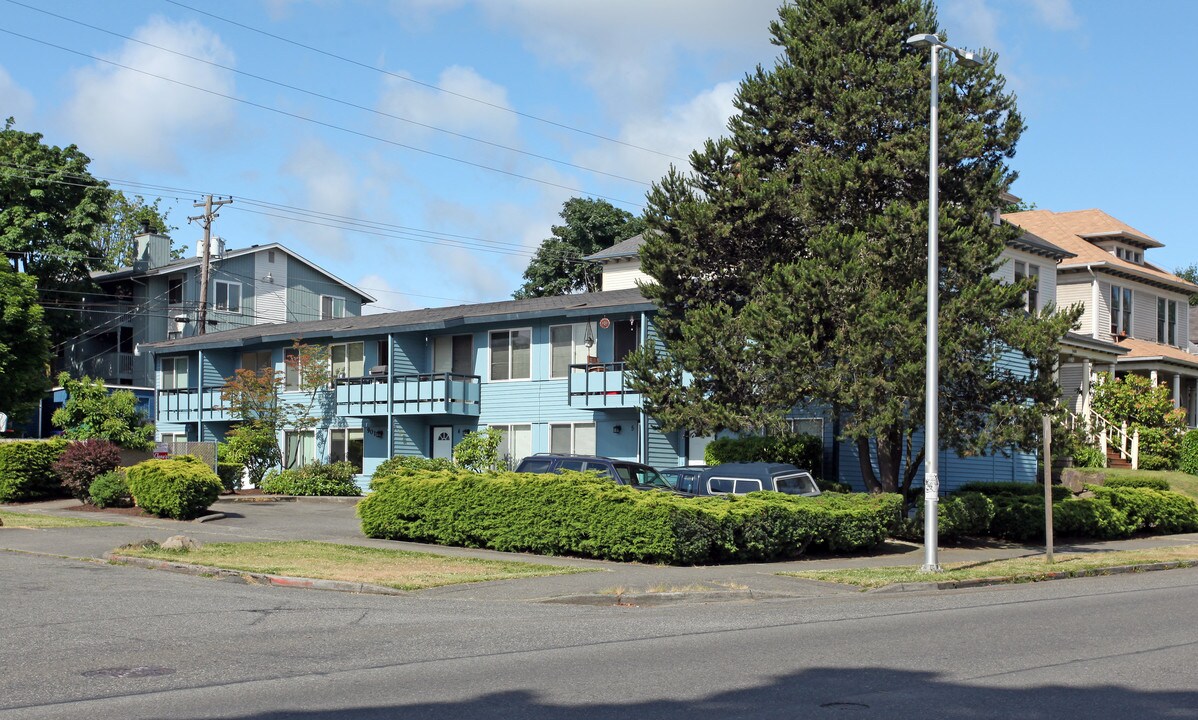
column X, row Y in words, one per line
column 345, row 444
column 300, row 447
column 1031, row 298
column 347, row 360
column 572, row 438
column 567, row 346
column 174, row 373
column 511, row 354
column 515, row 445
column 227, row 296
column 813, row 426
column 1166, row 321
column 331, row 307
column 1120, row 310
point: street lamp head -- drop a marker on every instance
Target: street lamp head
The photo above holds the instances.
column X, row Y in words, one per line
column 925, row 40
column 968, row 58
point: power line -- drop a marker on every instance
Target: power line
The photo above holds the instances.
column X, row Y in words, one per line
column 330, row 98
column 321, row 123
column 431, row 86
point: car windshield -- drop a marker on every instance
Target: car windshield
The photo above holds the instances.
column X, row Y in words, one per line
column 801, row 484
column 642, row 476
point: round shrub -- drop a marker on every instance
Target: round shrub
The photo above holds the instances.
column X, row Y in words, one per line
column 110, row 489
column 333, row 479
column 176, row 488
column 1187, row 455
column 83, row 461
column 1155, row 462
column 1152, row 510
column 27, row 469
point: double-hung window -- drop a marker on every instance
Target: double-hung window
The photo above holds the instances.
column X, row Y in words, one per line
column 347, row 360
column 227, row 296
column 511, row 354
column 568, row 346
column 174, row 373
column 1166, row 321
column 1031, row 299
column 1120, row 310
column 331, row 307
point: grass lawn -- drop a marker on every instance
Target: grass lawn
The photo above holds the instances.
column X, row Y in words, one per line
column 27, row 521
column 1179, row 481
column 399, row 569
column 1028, row 569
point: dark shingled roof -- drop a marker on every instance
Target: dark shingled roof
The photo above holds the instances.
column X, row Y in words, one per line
column 625, row 248
column 409, row 320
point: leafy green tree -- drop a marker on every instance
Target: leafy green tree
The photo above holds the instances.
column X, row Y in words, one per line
column 591, row 225
column 478, row 451
column 254, row 445
column 124, row 218
column 791, row 262
column 264, row 405
column 51, row 210
column 1146, row 407
column 91, row 411
column 1189, row 272
column 24, row 345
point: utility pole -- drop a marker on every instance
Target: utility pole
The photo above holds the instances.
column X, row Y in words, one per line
column 206, row 219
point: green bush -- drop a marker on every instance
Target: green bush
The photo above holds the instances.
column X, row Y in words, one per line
column 1092, row 517
column 583, row 514
column 803, row 451
column 110, row 490
column 1155, row 462
column 84, row 461
column 1151, row 510
column 230, row 474
column 400, row 463
column 1020, row 489
column 27, row 469
column 314, row 479
column 177, row 488
column 1019, row 518
column 1187, row 454
column 1088, row 458
column 1136, row 481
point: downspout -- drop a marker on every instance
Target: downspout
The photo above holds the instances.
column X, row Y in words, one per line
column 200, row 395
column 1095, row 298
column 642, row 437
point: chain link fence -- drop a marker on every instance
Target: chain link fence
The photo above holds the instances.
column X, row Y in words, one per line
column 205, row 451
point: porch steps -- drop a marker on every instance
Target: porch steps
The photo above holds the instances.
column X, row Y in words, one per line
column 1114, row 461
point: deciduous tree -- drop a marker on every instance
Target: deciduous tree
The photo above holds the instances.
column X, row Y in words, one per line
column 24, row 345
column 91, row 411
column 791, row 261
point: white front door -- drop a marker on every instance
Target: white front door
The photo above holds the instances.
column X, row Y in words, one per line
column 443, row 442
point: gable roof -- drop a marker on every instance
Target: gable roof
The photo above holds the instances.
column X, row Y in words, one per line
column 1076, row 232
column 440, row 318
column 185, row 263
column 624, row 249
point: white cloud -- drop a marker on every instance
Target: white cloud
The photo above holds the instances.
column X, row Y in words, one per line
column 389, row 298
column 446, row 110
column 677, row 131
column 971, row 24
column 327, row 183
column 1056, row 14
column 17, row 102
column 127, row 118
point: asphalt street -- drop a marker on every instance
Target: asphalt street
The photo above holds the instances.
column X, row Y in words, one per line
column 83, row 639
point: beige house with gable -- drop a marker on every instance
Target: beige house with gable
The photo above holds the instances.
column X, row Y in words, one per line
column 1126, row 299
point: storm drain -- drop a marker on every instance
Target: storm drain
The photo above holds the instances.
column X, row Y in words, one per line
column 133, row 672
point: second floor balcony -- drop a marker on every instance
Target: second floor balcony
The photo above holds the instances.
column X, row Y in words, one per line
column 418, row 394
column 191, row 405
column 600, row 385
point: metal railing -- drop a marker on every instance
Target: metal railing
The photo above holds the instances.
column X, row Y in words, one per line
column 599, row 384
column 414, row 394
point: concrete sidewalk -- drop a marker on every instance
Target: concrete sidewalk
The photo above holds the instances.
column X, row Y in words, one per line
column 334, row 520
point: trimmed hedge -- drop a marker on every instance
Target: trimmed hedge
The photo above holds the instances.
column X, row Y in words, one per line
column 27, row 469
column 1187, row 454
column 179, row 488
column 313, row 479
column 84, row 461
column 111, row 490
column 396, row 463
column 1021, row 489
column 583, row 514
column 1137, row 481
column 1154, row 510
column 1155, row 462
column 803, row 451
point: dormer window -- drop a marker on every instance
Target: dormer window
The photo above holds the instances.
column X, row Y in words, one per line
column 1132, row 256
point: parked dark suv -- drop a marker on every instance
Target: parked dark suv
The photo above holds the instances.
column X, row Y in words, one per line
column 744, row 478
column 623, row 472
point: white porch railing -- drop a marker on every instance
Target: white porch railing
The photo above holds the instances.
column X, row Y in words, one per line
column 1107, row 435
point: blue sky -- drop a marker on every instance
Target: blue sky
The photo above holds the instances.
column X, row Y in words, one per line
column 1108, row 105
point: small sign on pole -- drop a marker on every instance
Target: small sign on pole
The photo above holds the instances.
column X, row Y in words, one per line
column 161, row 451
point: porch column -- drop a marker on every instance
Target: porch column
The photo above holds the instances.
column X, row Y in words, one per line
column 1176, row 390
column 1087, row 380
column 1153, row 377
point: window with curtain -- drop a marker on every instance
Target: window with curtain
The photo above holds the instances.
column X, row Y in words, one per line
column 572, row 438
column 567, row 346
column 511, row 354
column 347, row 360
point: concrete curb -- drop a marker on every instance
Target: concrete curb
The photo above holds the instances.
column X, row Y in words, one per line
column 209, row 518
column 664, row 598
column 337, row 499
column 252, row 578
column 1039, row 577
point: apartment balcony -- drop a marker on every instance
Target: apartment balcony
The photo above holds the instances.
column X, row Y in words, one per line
column 600, row 386
column 112, row 367
column 421, row 394
column 191, row 405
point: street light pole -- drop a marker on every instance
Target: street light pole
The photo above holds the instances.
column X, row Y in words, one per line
column 931, row 458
